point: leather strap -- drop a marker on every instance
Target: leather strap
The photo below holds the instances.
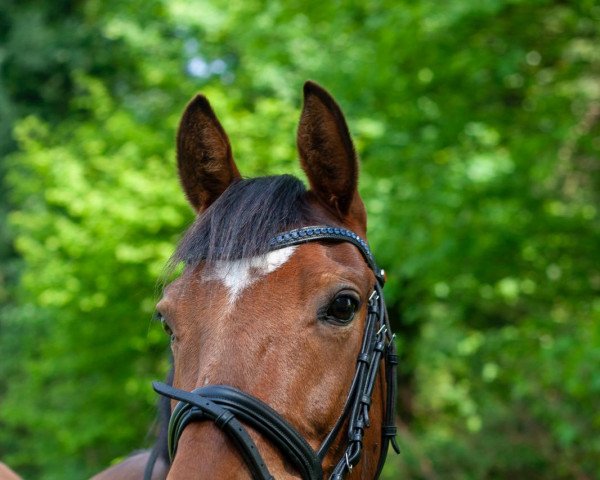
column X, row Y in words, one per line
column 251, row 411
column 263, row 418
column 326, row 232
column 193, row 407
column 375, row 341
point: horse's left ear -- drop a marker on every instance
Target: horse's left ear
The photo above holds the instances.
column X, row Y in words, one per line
column 326, row 151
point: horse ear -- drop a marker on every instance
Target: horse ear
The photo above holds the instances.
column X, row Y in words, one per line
column 326, row 151
column 204, row 159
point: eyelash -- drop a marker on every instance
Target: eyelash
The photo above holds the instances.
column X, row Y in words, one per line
column 165, row 326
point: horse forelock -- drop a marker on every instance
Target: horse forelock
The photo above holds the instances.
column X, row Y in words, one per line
column 242, row 221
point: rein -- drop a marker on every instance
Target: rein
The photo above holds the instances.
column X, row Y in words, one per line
column 226, row 406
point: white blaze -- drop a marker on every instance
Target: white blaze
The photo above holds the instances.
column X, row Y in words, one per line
column 238, row 275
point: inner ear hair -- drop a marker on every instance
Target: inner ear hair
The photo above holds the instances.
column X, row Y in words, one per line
column 204, row 159
column 327, row 154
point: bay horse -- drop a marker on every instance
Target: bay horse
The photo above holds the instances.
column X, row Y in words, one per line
column 283, row 358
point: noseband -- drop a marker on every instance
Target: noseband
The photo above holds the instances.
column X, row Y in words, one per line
column 227, row 406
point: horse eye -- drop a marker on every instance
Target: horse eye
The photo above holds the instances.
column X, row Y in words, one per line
column 166, row 327
column 164, row 324
column 343, row 308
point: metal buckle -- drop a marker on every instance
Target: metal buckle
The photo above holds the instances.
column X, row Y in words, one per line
column 348, row 463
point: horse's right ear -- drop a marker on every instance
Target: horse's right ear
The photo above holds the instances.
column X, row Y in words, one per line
column 204, row 159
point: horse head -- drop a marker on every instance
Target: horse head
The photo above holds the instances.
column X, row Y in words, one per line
column 277, row 322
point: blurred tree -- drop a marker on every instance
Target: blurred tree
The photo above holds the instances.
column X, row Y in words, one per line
column 478, row 125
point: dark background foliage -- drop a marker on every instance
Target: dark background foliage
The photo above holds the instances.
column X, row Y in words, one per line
column 478, row 128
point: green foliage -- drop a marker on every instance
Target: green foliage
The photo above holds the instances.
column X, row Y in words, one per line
column 478, row 127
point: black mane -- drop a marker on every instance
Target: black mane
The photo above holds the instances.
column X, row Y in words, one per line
column 240, row 223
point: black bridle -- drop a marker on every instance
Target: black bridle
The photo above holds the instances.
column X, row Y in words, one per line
column 227, row 406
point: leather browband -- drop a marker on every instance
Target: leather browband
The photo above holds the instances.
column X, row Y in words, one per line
column 336, row 234
column 224, row 405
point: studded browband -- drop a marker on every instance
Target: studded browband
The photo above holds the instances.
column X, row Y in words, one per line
column 336, row 234
column 226, row 406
